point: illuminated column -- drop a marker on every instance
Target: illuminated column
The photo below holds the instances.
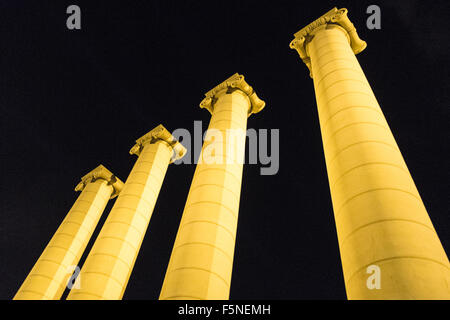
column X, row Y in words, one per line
column 50, row 274
column 380, row 217
column 202, row 257
column 108, row 266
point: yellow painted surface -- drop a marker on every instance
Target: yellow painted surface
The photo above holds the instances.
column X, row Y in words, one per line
column 201, row 263
column 380, row 217
column 107, row 268
column 49, row 276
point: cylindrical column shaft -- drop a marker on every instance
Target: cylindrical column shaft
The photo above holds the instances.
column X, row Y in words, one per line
column 107, row 269
column 202, row 258
column 379, row 214
column 201, row 263
column 49, row 276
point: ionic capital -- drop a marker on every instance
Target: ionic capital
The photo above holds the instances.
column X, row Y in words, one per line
column 332, row 19
column 101, row 173
column 159, row 134
column 235, row 82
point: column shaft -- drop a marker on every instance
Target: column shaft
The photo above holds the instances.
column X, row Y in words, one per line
column 108, row 266
column 49, row 276
column 202, row 258
column 379, row 214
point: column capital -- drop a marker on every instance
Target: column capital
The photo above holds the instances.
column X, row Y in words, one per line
column 160, row 134
column 101, row 173
column 335, row 18
column 235, row 82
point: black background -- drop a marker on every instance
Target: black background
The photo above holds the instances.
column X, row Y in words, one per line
column 70, row 100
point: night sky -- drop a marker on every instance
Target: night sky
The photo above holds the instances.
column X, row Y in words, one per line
column 71, row 100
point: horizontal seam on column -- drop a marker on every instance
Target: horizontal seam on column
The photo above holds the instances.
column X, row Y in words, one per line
column 98, row 193
column 88, row 216
column 220, row 169
column 212, row 123
column 234, row 102
column 350, row 107
column 35, row 292
column 354, row 124
column 152, row 162
column 220, row 156
column 34, row 275
column 326, row 35
column 381, row 221
column 322, row 66
column 68, row 235
column 224, row 132
column 52, row 261
column 105, row 275
column 334, row 70
column 139, row 212
column 62, row 248
column 135, row 196
column 84, row 213
column 127, row 224
column 147, row 153
column 371, row 190
column 80, row 226
column 159, row 145
column 342, row 80
column 181, row 296
column 132, row 194
column 316, row 50
column 84, row 292
column 349, row 92
column 148, row 173
column 318, row 58
column 144, row 185
column 52, row 280
column 395, row 258
column 211, row 222
column 328, row 40
column 216, row 185
column 228, row 110
column 86, row 190
column 213, row 202
column 119, row 239
column 224, row 155
column 143, row 172
column 110, row 255
column 153, row 165
column 368, row 164
column 91, row 203
column 223, row 110
column 361, row 142
column 205, row 244
column 201, row 269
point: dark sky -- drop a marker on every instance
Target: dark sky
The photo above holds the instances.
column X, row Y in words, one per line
column 70, row 100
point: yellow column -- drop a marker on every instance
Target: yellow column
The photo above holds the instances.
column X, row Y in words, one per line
column 202, row 257
column 380, row 218
column 108, row 266
column 50, row 274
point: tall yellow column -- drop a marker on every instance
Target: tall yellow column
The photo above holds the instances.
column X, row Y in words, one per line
column 381, row 222
column 108, row 266
column 202, row 257
column 50, row 274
